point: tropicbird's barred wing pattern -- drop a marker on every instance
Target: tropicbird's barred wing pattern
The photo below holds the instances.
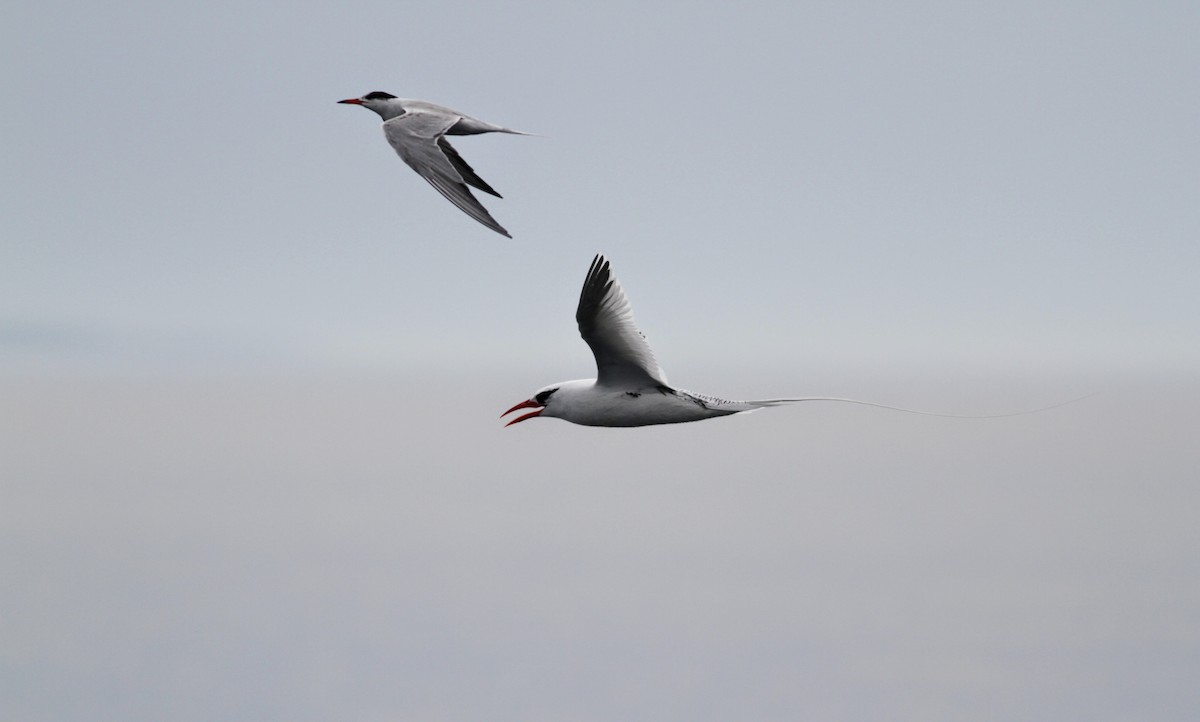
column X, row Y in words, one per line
column 605, row 317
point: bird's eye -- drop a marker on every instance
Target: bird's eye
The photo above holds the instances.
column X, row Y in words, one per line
column 378, row 95
column 542, row 397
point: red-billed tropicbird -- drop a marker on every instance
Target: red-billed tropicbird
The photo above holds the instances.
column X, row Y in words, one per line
column 630, row 388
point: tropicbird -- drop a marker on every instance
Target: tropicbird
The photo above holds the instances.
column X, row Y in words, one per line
column 630, row 388
column 417, row 130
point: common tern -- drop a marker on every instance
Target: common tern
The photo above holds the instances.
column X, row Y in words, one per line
column 630, row 388
column 417, row 130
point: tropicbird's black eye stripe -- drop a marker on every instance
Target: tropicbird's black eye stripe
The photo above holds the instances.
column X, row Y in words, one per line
column 542, row 397
column 378, row 95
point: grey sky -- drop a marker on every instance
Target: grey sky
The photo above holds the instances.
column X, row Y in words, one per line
column 250, row 364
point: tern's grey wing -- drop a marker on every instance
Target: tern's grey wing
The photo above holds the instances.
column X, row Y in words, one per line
column 606, row 323
column 469, row 176
column 417, row 138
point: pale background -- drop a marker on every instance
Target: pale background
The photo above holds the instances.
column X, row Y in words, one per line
column 250, row 364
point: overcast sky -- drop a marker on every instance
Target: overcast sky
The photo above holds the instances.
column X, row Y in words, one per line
column 250, row 363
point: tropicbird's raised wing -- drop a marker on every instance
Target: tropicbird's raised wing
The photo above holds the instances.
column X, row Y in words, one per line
column 606, row 323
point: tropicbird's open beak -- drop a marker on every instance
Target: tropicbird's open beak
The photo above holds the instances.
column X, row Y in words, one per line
column 530, row 404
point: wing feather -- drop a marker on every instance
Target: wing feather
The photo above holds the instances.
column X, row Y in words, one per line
column 469, row 176
column 605, row 317
column 416, row 137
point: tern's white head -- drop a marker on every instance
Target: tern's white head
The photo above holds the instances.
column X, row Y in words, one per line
column 387, row 105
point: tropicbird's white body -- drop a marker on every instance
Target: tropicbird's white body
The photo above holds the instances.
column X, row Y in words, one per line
column 589, row 403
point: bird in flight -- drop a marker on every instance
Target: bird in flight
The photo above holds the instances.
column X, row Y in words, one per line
column 630, row 388
column 417, row 130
